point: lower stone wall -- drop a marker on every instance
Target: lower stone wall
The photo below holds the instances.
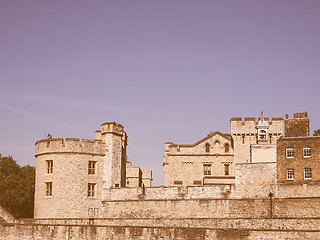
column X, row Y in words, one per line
column 213, row 208
column 298, row 190
column 256, row 179
column 286, row 229
column 186, row 208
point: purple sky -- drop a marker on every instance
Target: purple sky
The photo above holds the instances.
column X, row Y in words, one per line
column 166, row 70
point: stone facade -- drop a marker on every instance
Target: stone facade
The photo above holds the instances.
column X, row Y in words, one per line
column 164, row 229
column 135, row 177
column 245, row 134
column 254, row 201
column 208, row 161
column 71, row 175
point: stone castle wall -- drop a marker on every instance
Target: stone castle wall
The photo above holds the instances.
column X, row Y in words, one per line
column 256, row 179
column 69, row 185
column 163, row 228
column 70, row 176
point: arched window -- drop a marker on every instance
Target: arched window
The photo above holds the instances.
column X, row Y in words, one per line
column 217, row 147
column 207, row 147
column 263, row 135
column 226, row 148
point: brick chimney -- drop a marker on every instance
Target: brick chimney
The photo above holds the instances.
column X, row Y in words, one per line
column 298, row 126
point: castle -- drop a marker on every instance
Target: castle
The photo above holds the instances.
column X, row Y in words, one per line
column 71, row 176
column 261, row 181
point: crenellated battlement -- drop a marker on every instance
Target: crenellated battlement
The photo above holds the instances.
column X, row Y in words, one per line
column 248, row 126
column 69, row 145
column 112, row 127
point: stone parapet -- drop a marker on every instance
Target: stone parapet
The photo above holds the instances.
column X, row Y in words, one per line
column 166, row 229
column 248, row 126
column 168, row 193
column 112, row 127
column 69, row 145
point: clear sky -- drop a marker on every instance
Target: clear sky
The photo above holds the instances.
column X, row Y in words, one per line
column 166, row 70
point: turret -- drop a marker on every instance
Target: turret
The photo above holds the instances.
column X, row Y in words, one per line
column 115, row 140
column 71, row 175
column 245, row 133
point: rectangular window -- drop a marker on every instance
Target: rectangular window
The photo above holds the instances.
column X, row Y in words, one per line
column 290, row 174
column 92, row 167
column 306, row 152
column 49, row 166
column 48, row 189
column 91, row 189
column 207, row 169
column 197, row 182
column 307, row 173
column 289, row 152
column 226, row 169
column 177, row 182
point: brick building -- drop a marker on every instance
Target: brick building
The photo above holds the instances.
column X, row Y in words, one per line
column 298, row 153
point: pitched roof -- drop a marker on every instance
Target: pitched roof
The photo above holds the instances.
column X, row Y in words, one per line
column 226, row 136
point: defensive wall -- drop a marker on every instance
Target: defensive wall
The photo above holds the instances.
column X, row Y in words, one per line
column 69, row 145
column 162, row 228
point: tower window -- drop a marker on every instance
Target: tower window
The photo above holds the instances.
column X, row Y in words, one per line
column 227, row 169
column 207, row 147
column 306, row 152
column 289, row 152
column 92, row 167
column 49, row 166
column 48, row 189
column 207, row 169
column 290, row 174
column 226, row 148
column 307, row 173
column 242, row 139
column 91, row 189
column 263, row 135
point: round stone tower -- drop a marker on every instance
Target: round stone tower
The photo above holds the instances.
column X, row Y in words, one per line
column 71, row 175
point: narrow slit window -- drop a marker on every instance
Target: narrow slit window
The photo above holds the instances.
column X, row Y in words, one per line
column 226, row 148
column 227, row 169
column 49, row 189
column 207, row 148
column 91, row 189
